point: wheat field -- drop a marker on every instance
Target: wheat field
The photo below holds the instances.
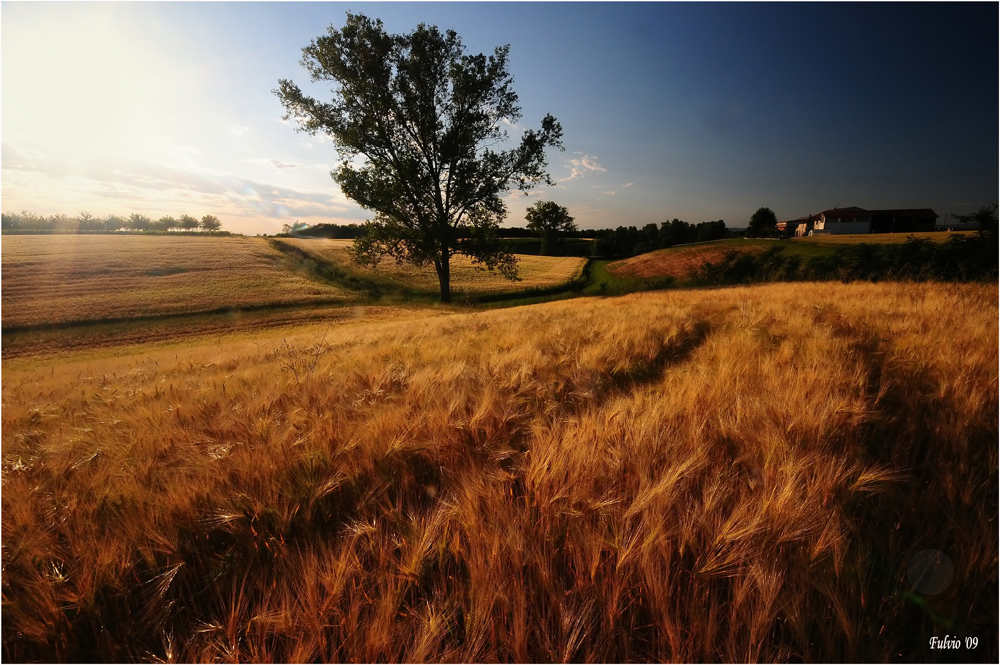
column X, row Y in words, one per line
column 51, row 279
column 735, row 474
column 537, row 272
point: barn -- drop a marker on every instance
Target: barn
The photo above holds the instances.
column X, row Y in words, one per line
column 838, row 221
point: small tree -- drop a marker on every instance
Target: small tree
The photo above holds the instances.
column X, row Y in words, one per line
column 138, row 222
column 986, row 217
column 549, row 220
column 427, row 119
column 763, row 223
column 187, row 223
column 210, row 223
column 88, row 222
column 61, row 222
column 112, row 223
column 163, row 224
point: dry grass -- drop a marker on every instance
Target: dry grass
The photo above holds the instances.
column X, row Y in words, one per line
column 879, row 238
column 61, row 278
column 177, row 332
column 737, row 475
column 677, row 262
column 533, row 271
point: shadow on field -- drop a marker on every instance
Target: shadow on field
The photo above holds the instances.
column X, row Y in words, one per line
column 933, row 507
column 672, row 352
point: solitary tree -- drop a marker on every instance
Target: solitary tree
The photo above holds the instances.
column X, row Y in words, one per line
column 762, row 223
column 417, row 123
column 549, row 219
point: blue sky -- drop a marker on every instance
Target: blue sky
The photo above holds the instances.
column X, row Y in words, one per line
column 698, row 111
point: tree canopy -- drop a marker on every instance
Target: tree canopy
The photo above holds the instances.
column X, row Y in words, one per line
column 549, row 219
column 418, row 124
column 762, row 223
column 986, row 217
column 210, row 223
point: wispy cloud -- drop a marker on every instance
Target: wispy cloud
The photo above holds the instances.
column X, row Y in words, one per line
column 627, row 184
column 610, row 192
column 273, row 163
column 515, row 198
column 146, row 185
column 581, row 166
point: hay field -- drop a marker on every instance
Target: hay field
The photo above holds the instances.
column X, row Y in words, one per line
column 678, row 262
column 62, row 278
column 533, row 271
column 740, row 475
column 878, row 238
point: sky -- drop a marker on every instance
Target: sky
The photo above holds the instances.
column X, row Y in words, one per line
column 699, row 111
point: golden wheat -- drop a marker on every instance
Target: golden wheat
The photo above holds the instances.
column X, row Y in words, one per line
column 60, row 278
column 466, row 278
column 879, row 238
column 736, row 475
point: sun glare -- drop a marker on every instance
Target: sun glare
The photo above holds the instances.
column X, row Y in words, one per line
column 90, row 81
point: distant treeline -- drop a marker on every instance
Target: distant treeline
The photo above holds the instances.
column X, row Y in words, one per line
column 631, row 241
column 337, row 231
column 962, row 258
column 28, row 222
column 610, row 243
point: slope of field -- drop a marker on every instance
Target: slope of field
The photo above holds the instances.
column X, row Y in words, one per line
column 741, row 475
column 679, row 262
column 535, row 272
column 878, row 238
column 124, row 337
column 683, row 261
column 62, row 278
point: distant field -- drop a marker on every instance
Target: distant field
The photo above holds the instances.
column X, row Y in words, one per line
column 737, row 475
column 678, row 262
column 534, row 271
column 62, row 278
column 682, row 261
column 879, row 238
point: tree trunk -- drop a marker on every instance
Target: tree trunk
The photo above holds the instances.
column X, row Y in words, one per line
column 444, row 275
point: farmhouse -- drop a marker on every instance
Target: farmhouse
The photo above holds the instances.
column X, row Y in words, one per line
column 837, row 221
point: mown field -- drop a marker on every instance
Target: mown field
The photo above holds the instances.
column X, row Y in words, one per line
column 534, row 272
column 65, row 278
column 880, row 238
column 682, row 261
column 741, row 474
column 916, row 256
